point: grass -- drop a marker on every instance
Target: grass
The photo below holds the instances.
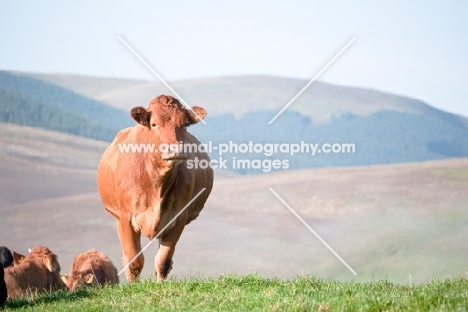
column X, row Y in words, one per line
column 453, row 173
column 255, row 293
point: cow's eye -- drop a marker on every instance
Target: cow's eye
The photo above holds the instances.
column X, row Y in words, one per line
column 154, row 125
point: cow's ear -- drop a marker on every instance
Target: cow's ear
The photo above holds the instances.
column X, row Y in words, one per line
column 195, row 114
column 141, row 115
column 65, row 278
column 17, row 258
column 49, row 265
column 89, row 278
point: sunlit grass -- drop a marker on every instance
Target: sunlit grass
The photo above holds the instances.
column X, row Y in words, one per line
column 255, row 293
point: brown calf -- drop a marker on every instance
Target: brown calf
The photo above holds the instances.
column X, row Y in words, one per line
column 91, row 267
column 38, row 272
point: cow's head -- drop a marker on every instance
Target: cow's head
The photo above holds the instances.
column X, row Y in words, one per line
column 47, row 259
column 78, row 280
column 168, row 118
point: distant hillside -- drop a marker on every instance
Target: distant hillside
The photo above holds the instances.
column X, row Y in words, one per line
column 21, row 110
column 32, row 102
column 384, row 128
column 383, row 137
column 246, row 94
column 29, row 145
column 91, row 87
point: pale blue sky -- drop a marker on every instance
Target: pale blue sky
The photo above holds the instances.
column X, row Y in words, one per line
column 413, row 48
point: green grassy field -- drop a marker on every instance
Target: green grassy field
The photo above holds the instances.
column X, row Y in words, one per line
column 255, row 293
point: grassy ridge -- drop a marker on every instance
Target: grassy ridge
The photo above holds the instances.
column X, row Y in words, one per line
column 254, row 293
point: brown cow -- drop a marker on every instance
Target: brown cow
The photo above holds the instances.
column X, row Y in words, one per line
column 91, row 267
column 145, row 191
column 39, row 272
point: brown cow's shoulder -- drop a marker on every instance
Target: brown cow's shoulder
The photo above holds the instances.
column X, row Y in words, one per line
column 122, row 134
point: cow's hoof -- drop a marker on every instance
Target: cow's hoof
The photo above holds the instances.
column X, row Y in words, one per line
column 133, row 271
column 164, row 269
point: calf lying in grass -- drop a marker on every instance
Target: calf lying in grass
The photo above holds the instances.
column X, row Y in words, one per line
column 38, row 272
column 91, row 268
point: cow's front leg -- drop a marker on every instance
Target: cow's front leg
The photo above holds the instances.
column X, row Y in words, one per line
column 167, row 243
column 131, row 246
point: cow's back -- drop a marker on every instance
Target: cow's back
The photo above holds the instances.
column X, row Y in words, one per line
column 24, row 279
column 92, row 263
column 98, row 264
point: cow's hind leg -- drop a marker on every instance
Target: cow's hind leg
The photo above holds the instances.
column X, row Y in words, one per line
column 131, row 246
column 167, row 243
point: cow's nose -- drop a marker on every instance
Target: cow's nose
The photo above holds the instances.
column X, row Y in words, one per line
column 173, row 151
column 174, row 155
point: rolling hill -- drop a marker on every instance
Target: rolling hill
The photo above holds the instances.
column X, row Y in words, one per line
column 239, row 95
column 32, row 102
column 383, row 128
column 385, row 221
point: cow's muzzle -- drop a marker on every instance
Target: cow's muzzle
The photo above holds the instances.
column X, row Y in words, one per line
column 175, row 159
column 174, row 156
